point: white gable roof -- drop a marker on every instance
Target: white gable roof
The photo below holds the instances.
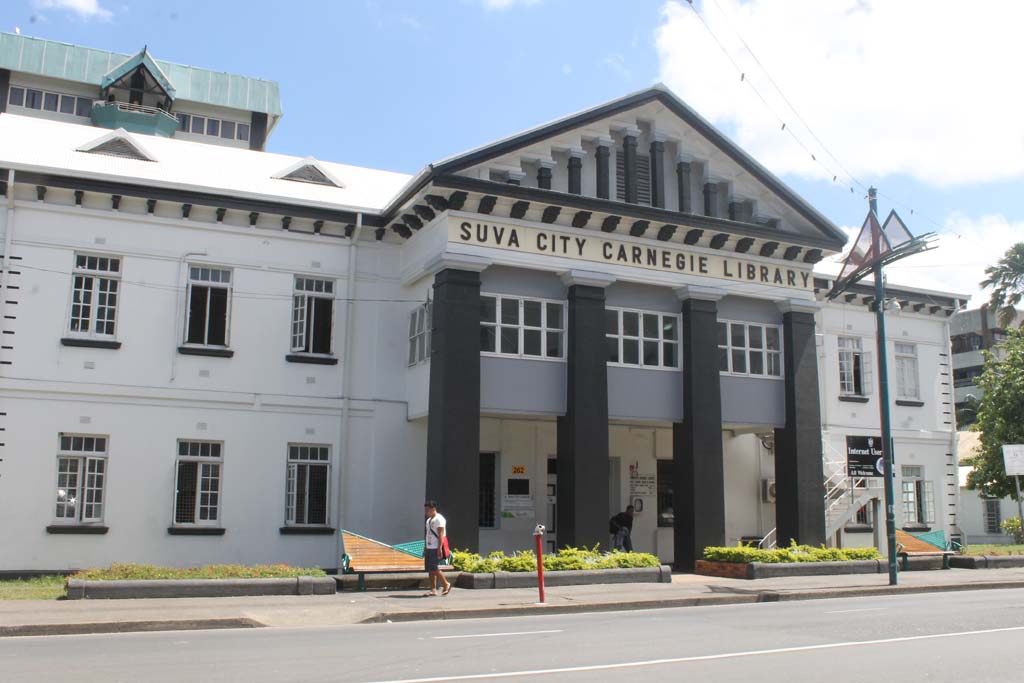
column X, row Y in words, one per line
column 39, row 145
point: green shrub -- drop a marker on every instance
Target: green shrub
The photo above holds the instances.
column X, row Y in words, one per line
column 564, row 560
column 794, row 553
column 129, row 572
column 1012, row 527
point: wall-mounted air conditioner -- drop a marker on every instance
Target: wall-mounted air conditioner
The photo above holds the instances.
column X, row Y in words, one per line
column 768, row 490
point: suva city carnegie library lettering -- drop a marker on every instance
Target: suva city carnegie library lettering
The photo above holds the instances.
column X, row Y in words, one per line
column 605, row 250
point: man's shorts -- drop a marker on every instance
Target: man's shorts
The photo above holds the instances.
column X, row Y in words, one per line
column 430, row 559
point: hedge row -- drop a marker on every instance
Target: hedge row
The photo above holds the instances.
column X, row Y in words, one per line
column 565, row 559
column 794, row 553
column 129, row 572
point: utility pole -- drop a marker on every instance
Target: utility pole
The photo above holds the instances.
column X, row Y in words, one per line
column 883, row 397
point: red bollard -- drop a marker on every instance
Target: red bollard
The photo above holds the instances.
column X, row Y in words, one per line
column 538, row 535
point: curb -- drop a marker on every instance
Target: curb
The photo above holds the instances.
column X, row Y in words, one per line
column 199, row 588
column 125, row 627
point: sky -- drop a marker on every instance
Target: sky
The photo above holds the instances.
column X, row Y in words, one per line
column 915, row 97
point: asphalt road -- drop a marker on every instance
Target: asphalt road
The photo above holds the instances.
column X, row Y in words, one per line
column 973, row 635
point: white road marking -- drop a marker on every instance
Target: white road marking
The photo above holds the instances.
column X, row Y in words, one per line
column 696, row 658
column 863, row 609
column 495, row 635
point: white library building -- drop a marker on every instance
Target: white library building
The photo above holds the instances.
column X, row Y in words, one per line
column 212, row 353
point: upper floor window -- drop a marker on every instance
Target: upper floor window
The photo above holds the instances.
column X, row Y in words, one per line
column 854, row 367
column 419, row 334
column 197, row 485
column 642, row 338
column 918, row 496
column 528, row 328
column 30, row 98
column 906, row 372
column 312, row 315
column 81, row 477
column 750, row 349
column 963, row 343
column 209, row 300
column 94, row 295
column 217, row 128
column 309, row 470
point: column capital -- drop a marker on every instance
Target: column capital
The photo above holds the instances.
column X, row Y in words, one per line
column 441, row 262
column 516, row 176
column 701, row 292
column 661, row 136
column 546, row 163
column 586, row 278
column 605, row 141
column 576, row 152
column 799, row 306
column 628, row 131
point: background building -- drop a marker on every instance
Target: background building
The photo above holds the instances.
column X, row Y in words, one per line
column 973, row 332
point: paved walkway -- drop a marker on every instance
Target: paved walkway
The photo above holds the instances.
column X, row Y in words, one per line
column 30, row 617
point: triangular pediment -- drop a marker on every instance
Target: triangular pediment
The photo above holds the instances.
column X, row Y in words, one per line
column 309, row 170
column 117, row 143
column 155, row 79
column 719, row 172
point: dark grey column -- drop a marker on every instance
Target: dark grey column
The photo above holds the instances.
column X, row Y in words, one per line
column 629, row 163
column 710, row 199
column 575, row 175
column 453, row 425
column 258, row 131
column 583, row 431
column 544, row 177
column 683, row 186
column 602, row 157
column 5, row 83
column 800, row 489
column 658, row 174
column 699, row 477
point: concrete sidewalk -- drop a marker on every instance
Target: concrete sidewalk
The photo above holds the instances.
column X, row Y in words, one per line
column 30, row 617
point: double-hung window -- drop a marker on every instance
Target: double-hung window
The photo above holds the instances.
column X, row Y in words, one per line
column 918, row 497
column 749, row 349
column 528, row 328
column 209, row 303
column 992, row 516
column 642, row 338
column 309, row 475
column 81, row 478
column 312, row 315
column 419, row 334
column 198, row 482
column 95, row 286
column 906, row 372
column 854, row 367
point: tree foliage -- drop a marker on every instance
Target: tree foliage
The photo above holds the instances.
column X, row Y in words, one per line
column 1007, row 279
column 1000, row 416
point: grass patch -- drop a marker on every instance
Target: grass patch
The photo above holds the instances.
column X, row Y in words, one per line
column 565, row 559
column 794, row 553
column 36, row 588
column 994, row 549
column 133, row 572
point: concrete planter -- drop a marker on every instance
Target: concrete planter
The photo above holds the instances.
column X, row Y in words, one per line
column 199, row 588
column 986, row 561
column 662, row 574
column 772, row 570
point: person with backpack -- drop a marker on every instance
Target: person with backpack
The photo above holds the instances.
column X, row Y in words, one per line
column 435, row 547
column 621, row 527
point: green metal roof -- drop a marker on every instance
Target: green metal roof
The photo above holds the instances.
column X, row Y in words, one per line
column 143, row 58
column 87, row 65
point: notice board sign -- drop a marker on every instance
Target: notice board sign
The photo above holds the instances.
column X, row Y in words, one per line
column 1013, row 459
column 864, row 456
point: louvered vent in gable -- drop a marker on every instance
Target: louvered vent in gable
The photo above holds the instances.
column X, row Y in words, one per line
column 309, row 170
column 117, row 144
column 643, row 178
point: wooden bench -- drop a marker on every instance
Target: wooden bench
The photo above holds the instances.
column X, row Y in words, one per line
column 366, row 556
column 908, row 546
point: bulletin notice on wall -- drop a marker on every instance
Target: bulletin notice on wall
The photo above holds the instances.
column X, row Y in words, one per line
column 643, row 485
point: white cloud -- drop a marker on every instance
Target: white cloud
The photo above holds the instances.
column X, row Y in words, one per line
column 505, row 4
column 617, row 63
column 411, row 22
column 917, row 87
column 965, row 247
column 567, row 69
column 85, row 9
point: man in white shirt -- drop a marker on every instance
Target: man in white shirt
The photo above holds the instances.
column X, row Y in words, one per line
column 434, row 533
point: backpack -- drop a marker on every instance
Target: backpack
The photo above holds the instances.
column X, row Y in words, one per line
column 613, row 527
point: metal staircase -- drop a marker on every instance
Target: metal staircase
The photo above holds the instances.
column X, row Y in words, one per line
column 844, row 496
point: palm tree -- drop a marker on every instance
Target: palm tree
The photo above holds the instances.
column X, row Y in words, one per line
column 1007, row 279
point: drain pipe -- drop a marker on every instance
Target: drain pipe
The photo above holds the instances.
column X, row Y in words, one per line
column 179, row 297
column 346, row 391
column 8, row 240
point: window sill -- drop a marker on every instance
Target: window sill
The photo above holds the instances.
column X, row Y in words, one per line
column 854, row 399
column 747, row 375
column 916, row 527
column 312, row 360
column 205, row 351
column 91, row 343
column 858, row 529
column 910, row 403
column 519, row 356
column 195, row 530
column 77, row 529
column 307, row 531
